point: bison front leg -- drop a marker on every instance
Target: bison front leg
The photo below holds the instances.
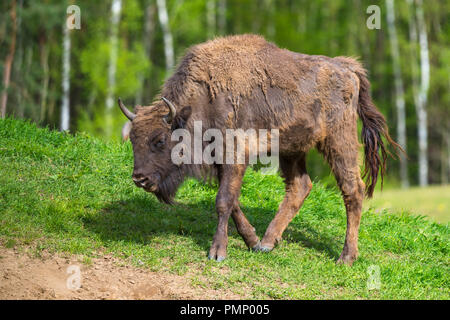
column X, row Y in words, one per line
column 230, row 178
column 298, row 186
column 244, row 228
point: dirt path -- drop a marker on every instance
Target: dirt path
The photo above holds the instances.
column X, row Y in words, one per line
column 24, row 277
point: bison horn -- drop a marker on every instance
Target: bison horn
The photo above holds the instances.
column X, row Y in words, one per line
column 130, row 115
column 172, row 112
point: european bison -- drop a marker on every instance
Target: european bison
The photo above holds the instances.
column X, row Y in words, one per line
column 246, row 82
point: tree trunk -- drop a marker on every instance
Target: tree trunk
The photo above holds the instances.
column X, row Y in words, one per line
column 45, row 74
column 8, row 62
column 167, row 35
column 423, row 96
column 18, row 61
column 116, row 9
column 2, row 31
column 270, row 24
column 211, row 18
column 65, row 107
column 445, row 158
column 447, row 138
column 26, row 97
column 222, row 16
column 149, row 26
column 399, row 91
column 420, row 86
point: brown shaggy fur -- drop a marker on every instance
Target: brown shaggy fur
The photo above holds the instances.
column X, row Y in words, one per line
column 246, row 82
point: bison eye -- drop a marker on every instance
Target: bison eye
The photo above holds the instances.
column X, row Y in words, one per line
column 159, row 143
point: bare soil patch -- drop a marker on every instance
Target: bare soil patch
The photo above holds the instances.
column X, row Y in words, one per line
column 25, row 277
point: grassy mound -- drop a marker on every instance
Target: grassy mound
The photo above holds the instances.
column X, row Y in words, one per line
column 74, row 194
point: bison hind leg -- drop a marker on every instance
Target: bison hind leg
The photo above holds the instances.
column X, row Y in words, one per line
column 341, row 151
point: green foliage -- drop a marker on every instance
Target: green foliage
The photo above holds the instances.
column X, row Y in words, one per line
column 74, row 194
column 328, row 27
column 130, row 63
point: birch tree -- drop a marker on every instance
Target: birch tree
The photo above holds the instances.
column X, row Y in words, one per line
column 167, row 35
column 9, row 61
column 399, row 91
column 423, row 96
column 65, row 106
column 211, row 18
column 44, row 54
column 116, row 9
column 418, row 34
column 268, row 5
column 149, row 27
column 222, row 16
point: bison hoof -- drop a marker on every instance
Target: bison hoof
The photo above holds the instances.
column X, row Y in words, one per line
column 260, row 248
column 217, row 258
column 347, row 260
column 256, row 247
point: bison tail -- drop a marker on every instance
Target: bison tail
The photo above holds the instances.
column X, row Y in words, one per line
column 373, row 130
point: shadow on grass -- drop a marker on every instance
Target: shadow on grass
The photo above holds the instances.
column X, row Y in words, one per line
column 141, row 219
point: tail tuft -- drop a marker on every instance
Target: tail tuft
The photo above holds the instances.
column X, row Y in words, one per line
column 373, row 130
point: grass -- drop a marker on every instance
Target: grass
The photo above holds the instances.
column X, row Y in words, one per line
column 74, row 194
column 434, row 201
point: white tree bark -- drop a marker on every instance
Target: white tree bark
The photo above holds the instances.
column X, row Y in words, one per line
column 65, row 107
column 417, row 32
column 423, row 96
column 399, row 91
column 167, row 35
column 211, row 18
column 116, row 9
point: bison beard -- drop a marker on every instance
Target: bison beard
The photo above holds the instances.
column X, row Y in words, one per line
column 244, row 82
column 169, row 186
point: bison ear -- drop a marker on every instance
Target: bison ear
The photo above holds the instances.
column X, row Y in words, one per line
column 181, row 118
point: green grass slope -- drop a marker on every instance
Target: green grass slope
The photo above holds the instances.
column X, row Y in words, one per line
column 74, row 194
column 433, row 200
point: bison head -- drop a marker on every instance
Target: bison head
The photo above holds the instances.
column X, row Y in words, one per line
column 150, row 136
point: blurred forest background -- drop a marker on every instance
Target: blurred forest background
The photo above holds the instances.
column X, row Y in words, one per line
column 69, row 79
